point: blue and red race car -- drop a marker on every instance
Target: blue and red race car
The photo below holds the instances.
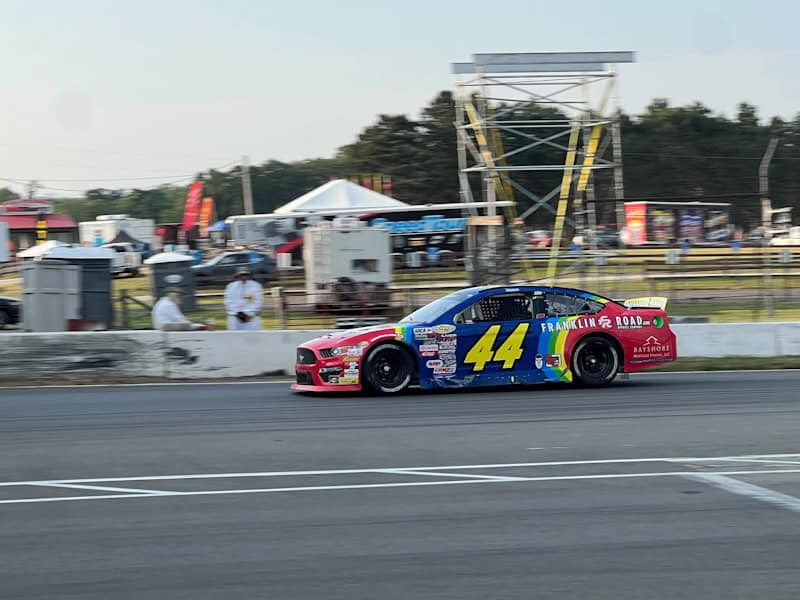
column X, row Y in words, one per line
column 493, row 336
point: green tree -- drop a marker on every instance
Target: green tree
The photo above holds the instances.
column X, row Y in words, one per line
column 8, row 194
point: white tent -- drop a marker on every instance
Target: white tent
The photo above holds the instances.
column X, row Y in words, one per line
column 40, row 249
column 339, row 194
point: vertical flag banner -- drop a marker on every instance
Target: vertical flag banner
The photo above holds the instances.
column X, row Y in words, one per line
column 367, row 182
column 192, row 205
column 387, row 185
column 377, row 183
column 206, row 214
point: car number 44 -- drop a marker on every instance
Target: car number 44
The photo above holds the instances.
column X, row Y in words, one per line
column 509, row 352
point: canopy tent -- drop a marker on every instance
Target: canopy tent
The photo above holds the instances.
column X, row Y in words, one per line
column 40, row 249
column 339, row 194
column 219, row 226
column 123, row 237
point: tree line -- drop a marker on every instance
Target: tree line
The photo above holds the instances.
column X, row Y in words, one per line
column 678, row 152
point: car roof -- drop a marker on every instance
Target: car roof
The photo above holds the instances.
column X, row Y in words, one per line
column 528, row 287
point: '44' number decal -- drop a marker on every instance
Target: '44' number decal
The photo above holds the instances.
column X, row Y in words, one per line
column 509, row 352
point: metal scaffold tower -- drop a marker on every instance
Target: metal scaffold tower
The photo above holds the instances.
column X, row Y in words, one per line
column 520, row 117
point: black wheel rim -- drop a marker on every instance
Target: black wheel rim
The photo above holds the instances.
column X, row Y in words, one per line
column 389, row 370
column 596, row 361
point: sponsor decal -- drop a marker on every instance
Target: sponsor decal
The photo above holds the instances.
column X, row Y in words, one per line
column 658, row 321
column 565, row 325
column 447, row 347
column 631, row 322
column 433, row 364
column 428, row 224
column 355, row 351
column 348, row 379
column 350, row 359
column 426, row 348
column 652, row 350
column 604, row 322
column 539, row 361
column 444, row 328
column 421, row 333
column 334, row 379
column 552, row 360
column 447, row 339
column 444, row 370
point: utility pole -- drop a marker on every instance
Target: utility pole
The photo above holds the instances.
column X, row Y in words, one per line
column 763, row 185
column 33, row 185
column 766, row 221
column 247, row 190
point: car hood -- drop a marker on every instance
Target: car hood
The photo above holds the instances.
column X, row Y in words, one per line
column 354, row 336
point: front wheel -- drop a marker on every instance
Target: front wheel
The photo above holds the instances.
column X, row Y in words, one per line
column 595, row 361
column 388, row 369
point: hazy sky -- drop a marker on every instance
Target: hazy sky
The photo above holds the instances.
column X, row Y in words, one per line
column 93, row 92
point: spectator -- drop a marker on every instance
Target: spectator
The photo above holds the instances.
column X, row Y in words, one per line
column 243, row 298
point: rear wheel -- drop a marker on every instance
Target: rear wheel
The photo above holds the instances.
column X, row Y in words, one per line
column 387, row 369
column 595, row 361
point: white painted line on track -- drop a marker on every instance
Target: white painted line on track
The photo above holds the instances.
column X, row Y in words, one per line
column 78, row 386
column 728, row 484
column 448, row 474
column 559, row 463
column 361, row 486
column 440, row 474
column 98, row 488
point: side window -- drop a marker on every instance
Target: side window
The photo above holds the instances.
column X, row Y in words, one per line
column 229, row 260
column 496, row 309
column 561, row 305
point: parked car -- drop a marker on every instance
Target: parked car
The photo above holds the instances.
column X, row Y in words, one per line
column 221, row 268
column 603, row 237
column 10, row 311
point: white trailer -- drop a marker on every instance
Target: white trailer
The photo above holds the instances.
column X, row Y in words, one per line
column 106, row 227
column 347, row 263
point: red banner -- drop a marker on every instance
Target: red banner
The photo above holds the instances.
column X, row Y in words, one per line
column 387, row 185
column 206, row 214
column 192, row 205
column 366, row 181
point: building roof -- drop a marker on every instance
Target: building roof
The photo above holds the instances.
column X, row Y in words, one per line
column 29, row 221
column 339, row 194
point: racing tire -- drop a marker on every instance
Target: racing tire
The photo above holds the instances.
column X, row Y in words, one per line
column 387, row 369
column 595, row 361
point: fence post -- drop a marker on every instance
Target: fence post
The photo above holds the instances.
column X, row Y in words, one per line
column 408, row 300
column 280, row 306
column 126, row 321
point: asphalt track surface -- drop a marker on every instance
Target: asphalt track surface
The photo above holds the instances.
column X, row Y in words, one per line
column 664, row 486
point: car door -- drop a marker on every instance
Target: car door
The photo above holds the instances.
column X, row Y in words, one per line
column 228, row 265
column 497, row 339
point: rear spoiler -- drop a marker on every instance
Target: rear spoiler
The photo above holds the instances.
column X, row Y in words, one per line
column 657, row 302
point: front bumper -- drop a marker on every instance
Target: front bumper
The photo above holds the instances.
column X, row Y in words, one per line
column 322, row 376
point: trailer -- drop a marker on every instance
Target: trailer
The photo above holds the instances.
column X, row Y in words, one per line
column 106, row 227
column 348, row 265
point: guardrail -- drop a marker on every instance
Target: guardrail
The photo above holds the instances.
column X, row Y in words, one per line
column 114, row 355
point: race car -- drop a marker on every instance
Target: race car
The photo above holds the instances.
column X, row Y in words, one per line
column 487, row 336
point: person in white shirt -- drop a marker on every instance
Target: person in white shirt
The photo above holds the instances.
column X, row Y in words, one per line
column 167, row 315
column 243, row 298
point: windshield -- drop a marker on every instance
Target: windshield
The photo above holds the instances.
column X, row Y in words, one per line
column 434, row 310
